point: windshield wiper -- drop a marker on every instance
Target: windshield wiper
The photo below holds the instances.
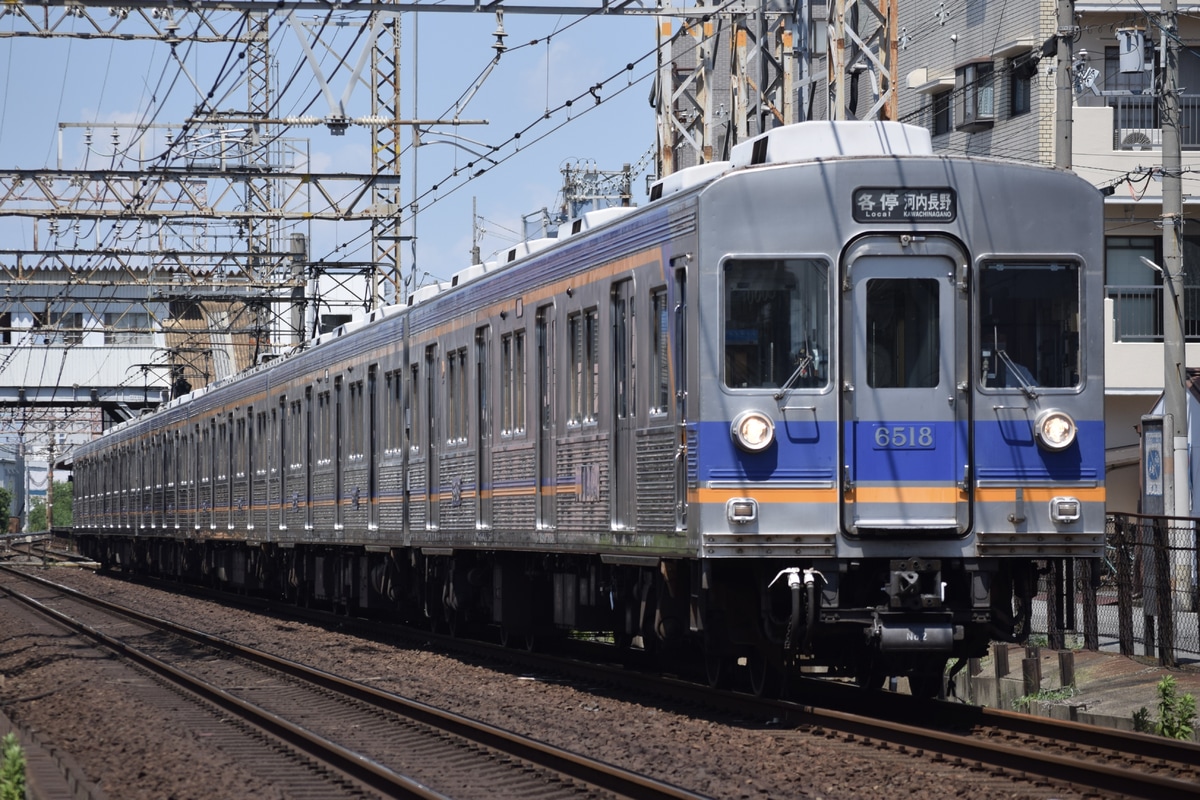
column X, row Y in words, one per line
column 802, row 365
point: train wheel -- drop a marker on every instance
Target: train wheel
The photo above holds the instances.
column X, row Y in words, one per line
column 455, row 623
column 869, row 676
column 927, row 682
column 764, row 678
column 511, row 638
column 718, row 669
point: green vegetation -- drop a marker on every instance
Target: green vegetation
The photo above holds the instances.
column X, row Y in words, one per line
column 5, row 504
column 1175, row 713
column 1044, row 696
column 63, row 496
column 12, row 769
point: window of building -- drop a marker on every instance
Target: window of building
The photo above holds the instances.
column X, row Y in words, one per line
column 941, row 113
column 1134, row 287
column 976, row 107
column 1117, row 81
column 58, row 327
column 129, row 328
column 1021, row 71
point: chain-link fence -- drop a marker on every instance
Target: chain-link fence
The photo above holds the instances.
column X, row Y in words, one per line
column 1139, row 598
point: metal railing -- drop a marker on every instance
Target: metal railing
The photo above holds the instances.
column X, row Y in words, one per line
column 1140, row 598
column 1136, row 124
column 1137, row 313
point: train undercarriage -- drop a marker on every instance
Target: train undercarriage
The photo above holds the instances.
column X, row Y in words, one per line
column 754, row 621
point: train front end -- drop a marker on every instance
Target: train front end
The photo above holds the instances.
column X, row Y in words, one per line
column 900, row 420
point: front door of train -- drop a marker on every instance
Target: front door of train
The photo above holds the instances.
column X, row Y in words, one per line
column 905, row 432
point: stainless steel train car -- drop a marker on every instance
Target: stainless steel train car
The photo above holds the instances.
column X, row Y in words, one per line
column 828, row 406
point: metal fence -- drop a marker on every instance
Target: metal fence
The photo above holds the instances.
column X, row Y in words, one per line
column 1137, row 313
column 1136, row 123
column 1140, row 598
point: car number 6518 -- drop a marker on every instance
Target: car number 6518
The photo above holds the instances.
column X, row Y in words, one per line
column 903, row 437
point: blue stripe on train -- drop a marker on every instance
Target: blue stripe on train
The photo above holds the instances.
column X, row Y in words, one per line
column 1001, row 453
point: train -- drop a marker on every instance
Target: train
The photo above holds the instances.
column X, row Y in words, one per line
column 828, row 407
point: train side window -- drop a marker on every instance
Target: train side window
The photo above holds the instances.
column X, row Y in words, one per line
column 241, row 449
column 776, row 319
column 391, row 411
column 583, row 331
column 324, row 427
column 295, row 435
column 660, row 395
column 263, row 443
column 413, row 410
column 1029, row 325
column 222, row 450
column 575, row 389
column 357, row 420
column 456, row 395
column 512, row 383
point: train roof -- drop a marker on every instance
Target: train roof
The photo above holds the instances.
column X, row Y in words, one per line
column 805, row 141
column 797, row 143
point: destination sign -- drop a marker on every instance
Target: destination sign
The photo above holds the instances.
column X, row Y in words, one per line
column 891, row 204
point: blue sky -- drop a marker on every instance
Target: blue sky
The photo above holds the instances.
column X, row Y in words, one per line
column 101, row 81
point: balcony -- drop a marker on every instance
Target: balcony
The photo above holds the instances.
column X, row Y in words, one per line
column 1137, row 313
column 1136, row 124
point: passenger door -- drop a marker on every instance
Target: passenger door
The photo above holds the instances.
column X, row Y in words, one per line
column 905, row 432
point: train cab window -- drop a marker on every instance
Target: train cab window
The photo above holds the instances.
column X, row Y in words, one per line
column 776, row 323
column 902, row 338
column 1029, row 325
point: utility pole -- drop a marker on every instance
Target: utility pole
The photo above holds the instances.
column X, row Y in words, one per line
column 1064, row 84
column 50, row 484
column 1175, row 485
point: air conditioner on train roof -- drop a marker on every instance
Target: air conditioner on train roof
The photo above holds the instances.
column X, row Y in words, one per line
column 805, row 141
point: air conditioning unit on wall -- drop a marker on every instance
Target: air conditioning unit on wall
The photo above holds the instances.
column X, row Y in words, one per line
column 1137, row 138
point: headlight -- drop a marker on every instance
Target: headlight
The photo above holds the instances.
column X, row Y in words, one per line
column 753, row 431
column 1055, row 430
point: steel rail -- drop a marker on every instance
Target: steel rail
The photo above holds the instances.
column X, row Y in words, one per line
column 621, row 782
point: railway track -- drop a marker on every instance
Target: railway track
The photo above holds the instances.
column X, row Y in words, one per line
column 1027, row 748
column 1034, row 749
column 1036, row 753
column 331, row 736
